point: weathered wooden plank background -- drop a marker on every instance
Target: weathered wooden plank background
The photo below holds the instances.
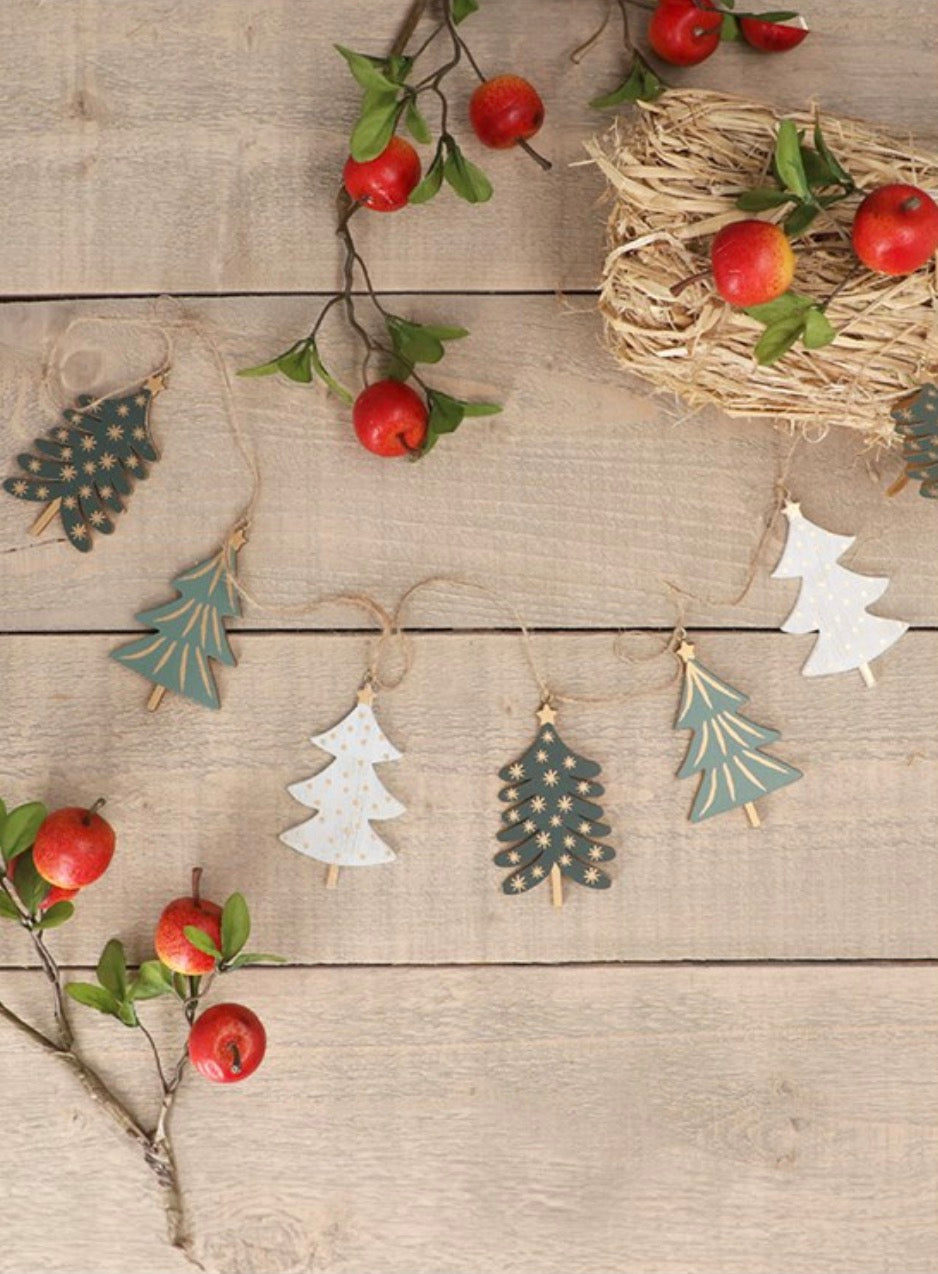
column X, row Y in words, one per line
column 600, row 1118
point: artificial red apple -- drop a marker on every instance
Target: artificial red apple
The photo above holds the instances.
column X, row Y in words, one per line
column 505, row 110
column 227, row 1043
column 771, row 37
column 384, row 183
column 170, row 941
column 685, row 32
column 73, row 846
column 390, row 418
column 752, row 262
column 895, row 230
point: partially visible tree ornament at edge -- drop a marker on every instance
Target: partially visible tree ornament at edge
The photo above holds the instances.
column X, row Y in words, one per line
column 347, row 795
column 190, row 630
column 916, row 418
column 84, row 470
column 726, row 748
column 833, row 601
column 552, row 824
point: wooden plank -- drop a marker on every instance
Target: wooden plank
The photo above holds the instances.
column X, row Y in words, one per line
column 843, row 867
column 194, row 145
column 575, row 505
column 707, row 1121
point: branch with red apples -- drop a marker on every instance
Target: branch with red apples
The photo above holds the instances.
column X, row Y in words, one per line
column 398, row 412
column 685, row 33
column 47, row 860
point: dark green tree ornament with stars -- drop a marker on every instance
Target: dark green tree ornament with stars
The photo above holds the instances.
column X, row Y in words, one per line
column 190, row 630
column 84, row 470
column 552, row 824
column 916, row 419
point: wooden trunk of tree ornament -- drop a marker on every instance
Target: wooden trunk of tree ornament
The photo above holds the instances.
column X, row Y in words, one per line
column 916, row 420
column 833, row 601
column 347, row 795
column 84, row 470
column 552, row 825
column 190, row 631
column 726, row 749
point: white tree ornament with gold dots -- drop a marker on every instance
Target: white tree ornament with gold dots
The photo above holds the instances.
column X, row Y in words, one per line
column 347, row 795
column 833, row 601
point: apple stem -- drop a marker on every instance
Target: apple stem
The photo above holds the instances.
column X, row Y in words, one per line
column 236, row 1064
column 196, row 883
column 92, row 810
column 912, row 204
column 678, row 288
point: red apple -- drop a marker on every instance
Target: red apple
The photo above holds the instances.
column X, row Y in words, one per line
column 895, row 230
column 170, row 941
column 505, row 110
column 752, row 262
column 73, row 846
column 54, row 895
column 384, row 184
column 685, row 32
column 771, row 37
column 390, row 419
column 227, row 1043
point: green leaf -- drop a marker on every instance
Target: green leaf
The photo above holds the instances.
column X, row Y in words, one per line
column 788, row 163
column 831, row 160
column 444, row 333
column 642, row 84
column 3, row 814
column 481, row 409
column 296, row 363
column 367, row 71
column 446, row 415
column 816, row 168
column 200, row 940
column 778, row 338
column 774, row 15
column 345, row 395
column 181, row 986
column 57, row 915
column 7, row 907
column 112, row 968
column 730, row 28
column 785, row 306
column 262, row 369
column 153, row 979
column 126, row 1013
column 465, row 177
column 96, row 997
column 425, row 190
column 375, row 125
column 416, row 125
column 800, row 218
column 397, row 67
column 762, row 197
column 235, row 926
column 462, row 8
column 818, row 330
column 28, row 883
column 20, row 827
column 256, row 957
column 412, row 341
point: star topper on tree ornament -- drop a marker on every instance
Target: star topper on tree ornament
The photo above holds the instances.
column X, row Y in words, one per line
column 552, row 824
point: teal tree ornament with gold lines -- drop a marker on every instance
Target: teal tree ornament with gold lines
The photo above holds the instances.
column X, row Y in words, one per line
column 726, row 749
column 190, row 630
column 552, row 824
column 84, row 470
column 916, row 419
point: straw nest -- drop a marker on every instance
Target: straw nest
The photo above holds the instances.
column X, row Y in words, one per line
column 674, row 176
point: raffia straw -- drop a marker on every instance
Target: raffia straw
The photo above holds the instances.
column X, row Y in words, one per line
column 674, row 176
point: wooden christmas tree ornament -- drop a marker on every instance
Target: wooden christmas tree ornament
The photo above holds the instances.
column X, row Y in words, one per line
column 84, row 470
column 552, row 824
column 833, row 601
column 190, row 630
column 726, row 748
column 916, row 421
column 347, row 795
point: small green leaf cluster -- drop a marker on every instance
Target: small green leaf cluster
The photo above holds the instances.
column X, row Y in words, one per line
column 18, row 830
column 642, row 84
column 810, row 179
column 414, row 343
column 789, row 318
column 235, row 931
column 300, row 363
